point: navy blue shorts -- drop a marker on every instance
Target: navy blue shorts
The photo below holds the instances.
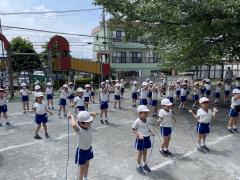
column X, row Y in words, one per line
column 203, row 128
column 170, row 99
column 178, row 92
column 143, row 102
column 117, row 97
column 203, row 91
column 41, row 118
column 49, row 96
column 195, row 97
column 62, row 102
column 92, row 94
column 25, row 98
column 149, row 94
column 154, row 102
column 183, row 98
column 81, row 108
column 3, row 109
column 71, row 96
column 165, row 131
column 134, row 95
column 82, row 156
column 208, row 92
column 141, row 144
column 227, row 93
column 104, row 105
column 233, row 113
column 217, row 95
column 86, row 99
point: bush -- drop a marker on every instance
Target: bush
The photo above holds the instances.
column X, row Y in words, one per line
column 81, row 82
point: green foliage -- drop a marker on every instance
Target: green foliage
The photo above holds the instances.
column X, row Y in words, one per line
column 24, row 62
column 185, row 33
column 81, row 82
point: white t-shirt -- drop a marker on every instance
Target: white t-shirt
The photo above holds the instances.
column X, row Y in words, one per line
column 218, row 89
column 143, row 93
column 141, row 127
column 183, row 92
column 3, row 101
column 208, row 86
column 134, row 89
column 166, row 116
column 204, row 117
column 154, row 95
column 84, row 138
column 79, row 101
column 24, row 92
column 40, row 108
column 177, row 87
column 170, row 92
column 196, row 91
column 234, row 102
column 117, row 91
column 49, row 90
column 63, row 94
column 87, row 93
column 227, row 87
column 70, row 90
column 103, row 95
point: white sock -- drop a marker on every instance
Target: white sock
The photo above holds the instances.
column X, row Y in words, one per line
column 138, row 165
column 234, row 127
column 84, row 178
column 165, row 149
column 229, row 127
column 198, row 145
column 144, row 163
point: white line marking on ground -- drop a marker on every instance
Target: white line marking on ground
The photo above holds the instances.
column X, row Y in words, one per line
column 189, row 153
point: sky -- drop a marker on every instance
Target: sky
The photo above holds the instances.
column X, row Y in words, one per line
column 80, row 22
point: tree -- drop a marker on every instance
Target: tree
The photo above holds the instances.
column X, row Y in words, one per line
column 21, row 62
column 185, row 33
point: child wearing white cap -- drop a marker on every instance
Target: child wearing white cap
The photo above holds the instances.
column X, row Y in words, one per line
column 204, row 116
column 70, row 92
column 49, row 93
column 170, row 92
column 183, row 96
column 208, row 88
column 227, row 90
column 196, row 92
column 3, row 106
column 233, row 113
column 154, row 102
column 84, row 152
column 63, row 99
column 117, row 93
column 79, row 100
column 92, row 89
column 40, row 109
column 203, row 88
column 217, row 93
column 150, row 89
column 122, row 86
column 144, row 94
column 103, row 99
column 166, row 120
column 143, row 141
column 87, row 95
column 134, row 94
column 178, row 90
column 24, row 93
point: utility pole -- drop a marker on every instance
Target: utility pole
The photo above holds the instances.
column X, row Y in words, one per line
column 3, row 55
column 104, row 40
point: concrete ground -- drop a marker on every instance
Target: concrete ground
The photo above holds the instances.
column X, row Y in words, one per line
column 23, row 158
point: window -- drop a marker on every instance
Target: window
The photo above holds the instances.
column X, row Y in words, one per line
column 118, row 35
column 119, row 57
column 136, row 57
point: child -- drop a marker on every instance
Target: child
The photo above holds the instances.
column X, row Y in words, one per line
column 183, row 96
column 103, row 98
column 227, row 89
column 92, row 89
column 195, row 94
column 204, row 116
column 203, row 88
column 144, row 94
column 87, row 95
column 49, row 92
column 233, row 114
column 40, row 109
column 84, row 152
column 3, row 106
column 117, row 91
column 122, row 85
column 208, row 88
column 79, row 100
column 143, row 141
column 37, row 88
column 70, row 92
column 134, row 94
column 217, row 93
column 170, row 92
column 24, row 92
column 178, row 90
column 166, row 119
column 150, row 88
column 62, row 101
column 154, row 102
column 238, row 83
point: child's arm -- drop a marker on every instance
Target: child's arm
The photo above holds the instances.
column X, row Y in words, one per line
column 139, row 135
column 214, row 112
column 93, row 114
column 49, row 111
column 73, row 121
column 194, row 115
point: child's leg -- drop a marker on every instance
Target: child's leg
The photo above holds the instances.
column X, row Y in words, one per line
column 115, row 103
column 139, row 158
column 167, row 141
column 45, row 127
column 230, row 123
column 119, row 103
column 51, row 101
column 60, row 109
column 81, row 172
column 85, row 173
column 23, row 105
column 27, row 103
column 234, row 124
column 64, row 109
column 199, row 138
column 204, row 139
column 144, row 156
column 38, row 128
column 164, row 143
column 5, row 115
column 105, row 112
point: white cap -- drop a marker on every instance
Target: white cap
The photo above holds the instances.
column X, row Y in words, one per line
column 71, row 83
column 117, row 80
column 204, row 80
column 142, row 108
column 203, row 99
column 196, row 83
column 236, row 91
column 84, row 116
column 166, row 102
column 102, row 83
column 107, row 80
column 87, row 86
column 49, row 84
column 144, row 83
column 80, row 90
column 1, row 89
column 178, row 81
column 134, row 82
column 147, row 79
column 219, row 82
column 208, row 80
column 150, row 82
column 65, row 85
column 23, row 85
column 37, row 87
column 121, row 80
column 38, row 94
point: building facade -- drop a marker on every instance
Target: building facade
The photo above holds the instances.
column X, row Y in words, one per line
column 125, row 58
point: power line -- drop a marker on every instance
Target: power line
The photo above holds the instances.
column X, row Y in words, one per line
column 48, row 12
